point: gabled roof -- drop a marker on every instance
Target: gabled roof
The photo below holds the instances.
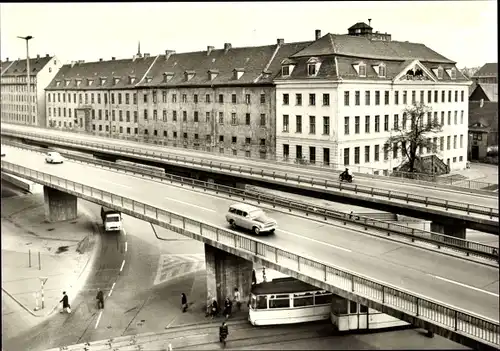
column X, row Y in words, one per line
column 102, row 69
column 488, row 90
column 488, row 70
column 487, row 115
column 362, row 47
column 18, row 67
column 4, row 65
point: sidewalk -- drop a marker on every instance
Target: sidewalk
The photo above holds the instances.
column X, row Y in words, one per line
column 65, row 250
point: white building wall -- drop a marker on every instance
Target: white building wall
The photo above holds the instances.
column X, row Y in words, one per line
column 43, row 79
column 338, row 111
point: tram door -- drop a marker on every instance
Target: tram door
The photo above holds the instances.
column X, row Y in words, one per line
column 358, row 316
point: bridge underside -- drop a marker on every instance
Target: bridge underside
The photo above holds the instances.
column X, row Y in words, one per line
column 59, row 206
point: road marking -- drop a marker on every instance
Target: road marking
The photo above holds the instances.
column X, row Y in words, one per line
column 111, row 291
column 314, row 240
column 124, row 186
column 124, row 231
column 464, row 285
column 98, row 320
column 186, row 203
column 125, row 246
column 121, row 268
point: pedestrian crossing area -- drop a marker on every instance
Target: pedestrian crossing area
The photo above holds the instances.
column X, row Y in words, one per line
column 175, row 266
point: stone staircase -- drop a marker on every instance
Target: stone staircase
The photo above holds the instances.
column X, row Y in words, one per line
column 205, row 336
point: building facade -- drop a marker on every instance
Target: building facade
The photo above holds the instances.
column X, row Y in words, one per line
column 341, row 98
column 219, row 100
column 14, row 100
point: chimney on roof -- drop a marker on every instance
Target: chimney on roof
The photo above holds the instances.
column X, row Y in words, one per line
column 100, row 60
column 227, row 46
column 146, row 55
column 370, row 22
column 317, row 34
column 113, row 58
column 481, row 103
column 38, row 56
column 7, row 59
column 169, row 53
column 209, row 49
column 46, row 55
column 281, row 41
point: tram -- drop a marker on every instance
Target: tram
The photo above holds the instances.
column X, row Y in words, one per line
column 288, row 300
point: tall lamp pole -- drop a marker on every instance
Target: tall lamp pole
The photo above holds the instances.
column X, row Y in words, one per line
column 28, row 96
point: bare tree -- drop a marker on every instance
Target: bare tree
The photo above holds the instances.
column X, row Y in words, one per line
column 413, row 132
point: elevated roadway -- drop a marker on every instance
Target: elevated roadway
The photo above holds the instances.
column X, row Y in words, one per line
column 474, row 209
column 468, row 286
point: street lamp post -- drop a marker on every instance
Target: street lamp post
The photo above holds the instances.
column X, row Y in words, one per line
column 27, row 38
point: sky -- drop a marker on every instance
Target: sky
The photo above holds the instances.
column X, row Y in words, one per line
column 463, row 31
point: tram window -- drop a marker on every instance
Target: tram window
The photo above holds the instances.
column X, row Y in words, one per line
column 262, row 302
column 279, row 303
column 322, row 299
column 339, row 305
column 363, row 308
column 353, row 307
column 300, row 300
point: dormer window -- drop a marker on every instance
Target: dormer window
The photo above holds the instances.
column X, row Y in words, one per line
column 116, row 81
column 313, row 66
column 362, row 70
column 212, row 74
column 149, row 79
column 167, row 76
column 58, row 83
column 285, row 71
column 440, row 72
column 90, row 81
column 103, row 81
column 131, row 80
column 78, row 82
column 67, row 82
column 453, row 73
column 381, row 70
column 188, row 75
column 237, row 73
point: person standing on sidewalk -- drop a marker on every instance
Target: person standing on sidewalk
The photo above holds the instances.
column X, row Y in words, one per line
column 184, row 302
column 223, row 333
column 100, row 299
column 237, row 299
column 228, row 305
column 65, row 302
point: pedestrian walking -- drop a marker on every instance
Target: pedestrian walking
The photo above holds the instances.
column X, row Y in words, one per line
column 237, row 297
column 100, row 299
column 65, row 302
column 223, row 333
column 184, row 302
column 215, row 308
column 228, row 305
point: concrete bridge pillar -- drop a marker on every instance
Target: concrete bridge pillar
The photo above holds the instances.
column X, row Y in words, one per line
column 225, row 272
column 59, row 206
column 455, row 228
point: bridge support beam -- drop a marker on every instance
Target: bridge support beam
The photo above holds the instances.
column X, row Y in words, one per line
column 455, row 228
column 59, row 206
column 225, row 272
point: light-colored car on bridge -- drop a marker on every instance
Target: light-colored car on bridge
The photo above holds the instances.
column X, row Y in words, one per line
column 54, row 157
column 251, row 218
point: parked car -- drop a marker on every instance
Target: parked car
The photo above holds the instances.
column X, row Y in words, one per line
column 54, row 157
column 251, row 218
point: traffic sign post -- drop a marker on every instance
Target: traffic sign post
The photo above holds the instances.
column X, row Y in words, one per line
column 43, row 280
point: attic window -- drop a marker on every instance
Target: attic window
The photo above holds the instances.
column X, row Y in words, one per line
column 78, row 82
column 440, row 72
column 116, row 80
column 237, row 73
column 362, row 70
column 149, row 79
column 90, row 81
column 212, row 74
column 381, row 70
column 311, row 69
column 131, row 80
column 67, row 82
column 285, row 71
column 58, row 83
column 103, row 81
column 167, row 76
column 188, row 75
column 453, row 73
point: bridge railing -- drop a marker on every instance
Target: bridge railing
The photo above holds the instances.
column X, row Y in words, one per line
column 161, row 141
column 475, row 327
column 288, row 178
column 382, row 228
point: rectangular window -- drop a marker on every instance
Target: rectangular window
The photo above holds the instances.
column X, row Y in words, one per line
column 396, row 98
column 247, row 99
column 195, row 117
column 436, row 93
column 285, row 123
column 233, row 118
column 442, row 118
column 395, row 150
column 367, row 154
column 462, row 93
column 367, row 98
column 326, row 99
column 184, row 98
column 207, row 116
column 386, row 98
column 377, row 124
column 312, row 125
column 356, row 155
column 134, row 95
column 443, row 96
column 285, row 99
column 441, row 143
column 298, row 124
column 448, row 142
column 312, row 99
column 429, row 96
column 195, row 98
column 461, row 141
column 377, row 151
column 377, row 97
column 356, row 125
column 449, row 95
column 346, row 125
column 221, row 99
column 429, row 118
column 405, row 97
column 346, row 156
column 174, row 116
column 174, row 97
column 113, row 115
column 449, row 118
column 127, row 116
column 221, row 118
column 386, row 123
column 396, row 122
column 145, row 114
column 233, row 98
column 298, row 99
column 357, row 98
column 163, row 97
column 456, row 95
column 435, row 119
column 262, row 119
column 454, row 141
column 367, row 124
column 413, row 96
column 120, row 97
column 247, row 119
column 262, row 98
column 462, row 117
column 326, row 125
column 386, row 152
column 207, row 98
column 145, row 99
column 346, row 98
column 422, row 96
column 312, row 154
column 184, row 116
column 286, row 151
column 120, row 115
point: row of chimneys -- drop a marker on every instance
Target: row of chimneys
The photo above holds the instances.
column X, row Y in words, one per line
column 37, row 56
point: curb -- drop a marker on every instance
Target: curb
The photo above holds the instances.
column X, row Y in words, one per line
column 92, row 259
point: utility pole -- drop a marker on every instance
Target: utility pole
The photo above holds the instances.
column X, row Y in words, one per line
column 28, row 96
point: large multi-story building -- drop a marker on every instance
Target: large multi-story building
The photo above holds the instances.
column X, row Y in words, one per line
column 14, row 102
column 340, row 99
column 218, row 99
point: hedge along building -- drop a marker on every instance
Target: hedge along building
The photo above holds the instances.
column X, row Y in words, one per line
column 220, row 100
column 340, row 98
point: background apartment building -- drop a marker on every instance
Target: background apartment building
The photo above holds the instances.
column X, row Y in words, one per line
column 342, row 97
column 14, row 102
column 219, row 99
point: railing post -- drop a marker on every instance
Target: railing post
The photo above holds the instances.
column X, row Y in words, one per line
column 217, row 234
column 156, row 212
column 383, row 294
column 235, row 241
column 276, row 254
column 298, row 263
column 446, row 205
column 352, row 283
column 407, row 197
column 456, row 320
column 326, row 184
column 416, row 301
column 426, row 199
column 468, row 208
